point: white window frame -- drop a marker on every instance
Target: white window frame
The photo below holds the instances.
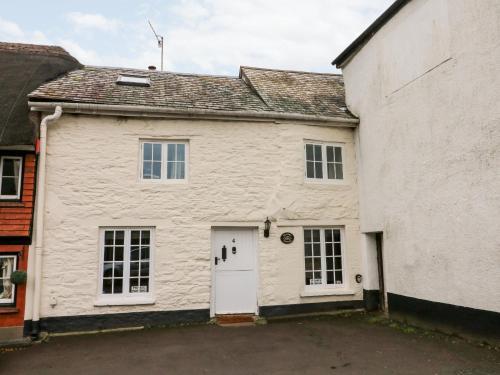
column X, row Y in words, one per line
column 164, row 164
column 324, row 285
column 324, row 163
column 10, row 301
column 20, row 158
column 126, row 297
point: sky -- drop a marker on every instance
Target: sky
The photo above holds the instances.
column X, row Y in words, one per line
column 201, row 36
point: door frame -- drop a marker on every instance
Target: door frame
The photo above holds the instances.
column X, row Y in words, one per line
column 255, row 239
column 379, row 243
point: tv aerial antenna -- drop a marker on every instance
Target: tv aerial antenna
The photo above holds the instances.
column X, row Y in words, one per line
column 159, row 39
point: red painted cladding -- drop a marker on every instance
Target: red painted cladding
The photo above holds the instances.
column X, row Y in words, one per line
column 16, row 217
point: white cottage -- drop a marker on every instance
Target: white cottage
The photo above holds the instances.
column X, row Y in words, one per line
column 169, row 198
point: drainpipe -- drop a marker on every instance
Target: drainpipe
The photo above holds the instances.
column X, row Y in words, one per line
column 40, row 210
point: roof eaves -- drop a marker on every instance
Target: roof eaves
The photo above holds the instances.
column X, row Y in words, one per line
column 366, row 35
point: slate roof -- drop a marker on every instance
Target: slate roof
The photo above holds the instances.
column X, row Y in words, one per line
column 255, row 90
column 23, row 67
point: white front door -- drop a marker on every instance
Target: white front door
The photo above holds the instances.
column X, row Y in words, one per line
column 233, row 258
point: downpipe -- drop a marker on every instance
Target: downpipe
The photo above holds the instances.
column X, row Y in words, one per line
column 40, row 210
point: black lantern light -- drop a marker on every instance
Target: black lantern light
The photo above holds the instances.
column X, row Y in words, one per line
column 267, row 226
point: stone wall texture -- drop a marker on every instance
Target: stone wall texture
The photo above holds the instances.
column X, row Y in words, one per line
column 426, row 89
column 239, row 173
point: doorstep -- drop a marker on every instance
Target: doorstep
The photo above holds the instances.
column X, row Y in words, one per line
column 236, row 320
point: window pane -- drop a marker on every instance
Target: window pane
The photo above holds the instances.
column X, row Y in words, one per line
column 10, row 167
column 315, row 236
column 118, row 284
column 146, row 169
column 171, row 170
column 156, row 172
column 329, row 263
column 148, row 153
column 145, row 253
column 107, row 286
column 119, row 237
column 308, row 250
column 134, row 285
column 157, row 152
column 339, row 173
column 338, row 277
column 108, row 237
column 309, row 276
column 108, row 253
column 144, row 268
column 318, row 170
column 134, row 253
column 135, row 236
column 317, row 276
column 310, row 169
column 118, row 269
column 134, row 269
column 180, row 170
column 338, row 263
column 108, row 269
column 330, row 168
column 336, row 235
column 144, row 288
column 317, row 249
column 317, row 153
column 328, row 249
column 181, row 148
column 119, row 253
column 308, row 264
column 307, row 235
column 9, row 186
column 171, row 152
column 309, row 152
column 145, row 237
column 317, row 264
column 6, row 268
column 328, row 235
column 329, row 277
column 337, row 249
column 338, row 154
column 329, row 153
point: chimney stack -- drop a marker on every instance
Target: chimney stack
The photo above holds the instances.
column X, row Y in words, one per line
column 152, row 67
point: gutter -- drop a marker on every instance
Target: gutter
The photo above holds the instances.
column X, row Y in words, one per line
column 40, row 210
column 147, row 111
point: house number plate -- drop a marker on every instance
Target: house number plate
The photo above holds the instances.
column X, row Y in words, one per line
column 287, row 237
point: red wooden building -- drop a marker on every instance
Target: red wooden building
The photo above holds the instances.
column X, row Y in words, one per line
column 23, row 67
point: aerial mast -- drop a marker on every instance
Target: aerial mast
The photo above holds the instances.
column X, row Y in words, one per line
column 159, row 39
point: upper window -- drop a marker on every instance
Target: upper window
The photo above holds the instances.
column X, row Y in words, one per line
column 7, row 289
column 126, row 262
column 323, row 254
column 164, row 161
column 10, row 177
column 323, row 162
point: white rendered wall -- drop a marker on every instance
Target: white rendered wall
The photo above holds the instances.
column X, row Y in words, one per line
column 426, row 88
column 239, row 173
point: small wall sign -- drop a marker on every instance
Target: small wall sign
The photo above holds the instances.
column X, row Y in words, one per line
column 287, row 238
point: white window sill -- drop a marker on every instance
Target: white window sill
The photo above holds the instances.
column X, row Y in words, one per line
column 327, row 292
column 125, row 301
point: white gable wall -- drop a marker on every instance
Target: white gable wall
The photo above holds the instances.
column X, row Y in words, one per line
column 426, row 88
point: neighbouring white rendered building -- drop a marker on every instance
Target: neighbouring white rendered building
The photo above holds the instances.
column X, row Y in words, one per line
column 159, row 186
column 424, row 80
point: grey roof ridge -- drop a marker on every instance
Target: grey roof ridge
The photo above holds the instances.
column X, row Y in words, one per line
column 161, row 72
column 289, row 71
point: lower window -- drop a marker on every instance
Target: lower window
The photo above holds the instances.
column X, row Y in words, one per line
column 323, row 254
column 7, row 289
column 126, row 262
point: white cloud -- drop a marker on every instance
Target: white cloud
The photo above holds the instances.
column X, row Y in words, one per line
column 85, row 56
column 92, row 21
column 10, row 30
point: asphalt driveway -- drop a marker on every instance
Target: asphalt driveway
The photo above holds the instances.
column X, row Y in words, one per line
column 328, row 345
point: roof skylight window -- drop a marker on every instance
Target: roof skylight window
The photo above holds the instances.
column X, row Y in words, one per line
column 133, row 80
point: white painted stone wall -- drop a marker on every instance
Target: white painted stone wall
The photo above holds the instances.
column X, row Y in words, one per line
column 426, row 88
column 239, row 173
